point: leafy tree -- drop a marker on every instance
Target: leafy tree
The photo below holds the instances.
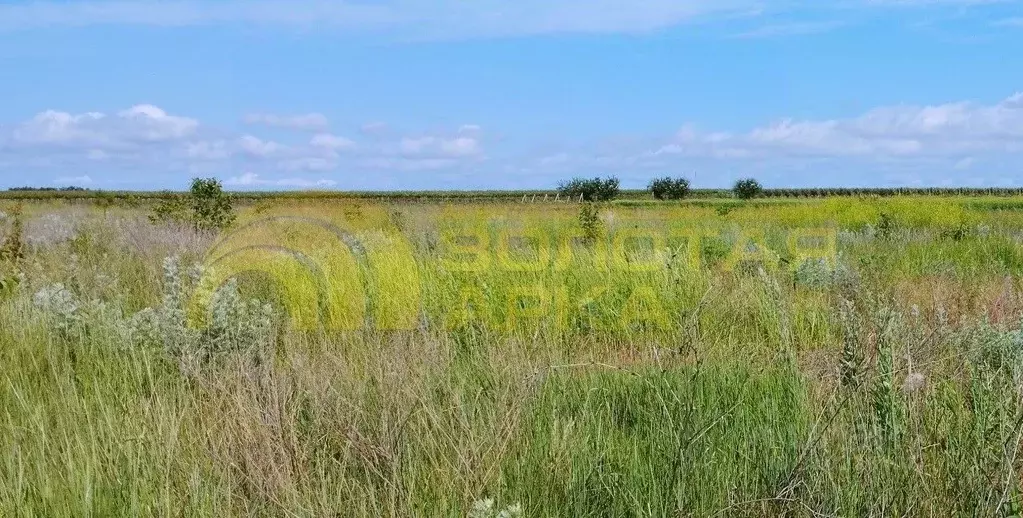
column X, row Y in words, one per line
column 211, row 207
column 747, row 189
column 668, row 188
column 595, row 189
column 206, row 206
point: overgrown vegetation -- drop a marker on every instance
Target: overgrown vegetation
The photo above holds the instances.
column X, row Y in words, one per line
column 747, row 189
column 668, row 188
column 617, row 376
column 206, row 208
column 590, row 189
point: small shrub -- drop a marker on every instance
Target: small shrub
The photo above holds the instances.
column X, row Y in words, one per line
column 594, row 189
column 132, row 201
column 589, row 221
column 886, row 227
column 231, row 326
column 714, row 250
column 747, row 189
column 206, row 208
column 211, row 207
column 171, row 209
column 958, row 232
column 104, row 200
column 668, row 188
column 12, row 248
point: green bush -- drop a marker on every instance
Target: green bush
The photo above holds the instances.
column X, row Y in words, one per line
column 594, row 189
column 589, row 221
column 12, row 246
column 206, row 207
column 668, row 188
column 747, row 189
column 211, row 207
column 171, row 208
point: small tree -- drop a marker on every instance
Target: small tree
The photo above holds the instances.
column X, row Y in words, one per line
column 595, row 189
column 206, row 207
column 668, row 188
column 747, row 189
column 211, row 207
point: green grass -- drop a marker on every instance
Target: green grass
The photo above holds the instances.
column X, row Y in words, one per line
column 888, row 384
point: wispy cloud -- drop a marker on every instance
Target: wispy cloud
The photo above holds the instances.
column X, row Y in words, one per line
column 1016, row 22
column 147, row 139
column 434, row 19
column 73, row 180
column 789, row 29
column 437, row 19
column 253, row 180
column 944, row 130
column 937, row 140
column 304, row 122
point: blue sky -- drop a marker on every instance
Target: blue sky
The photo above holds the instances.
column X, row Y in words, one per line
column 467, row 94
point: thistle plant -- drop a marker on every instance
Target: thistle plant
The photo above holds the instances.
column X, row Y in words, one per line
column 851, row 365
column 233, row 326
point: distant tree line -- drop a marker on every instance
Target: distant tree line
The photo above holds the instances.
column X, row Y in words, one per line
column 69, row 188
column 678, row 188
column 664, row 188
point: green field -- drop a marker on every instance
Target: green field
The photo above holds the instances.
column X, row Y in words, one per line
column 376, row 356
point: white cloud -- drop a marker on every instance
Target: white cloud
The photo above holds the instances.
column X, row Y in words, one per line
column 73, row 180
column 374, row 129
column 895, row 131
column 310, row 164
column 964, row 163
column 254, row 180
column 208, row 150
column 144, row 141
column 1015, row 22
column 306, row 122
column 440, row 146
column 891, row 144
column 443, row 19
column 151, row 123
column 789, row 29
column 256, row 147
column 331, row 142
column 137, row 125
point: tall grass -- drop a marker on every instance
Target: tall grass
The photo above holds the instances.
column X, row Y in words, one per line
column 889, row 383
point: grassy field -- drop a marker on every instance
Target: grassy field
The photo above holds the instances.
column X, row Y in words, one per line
column 813, row 357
